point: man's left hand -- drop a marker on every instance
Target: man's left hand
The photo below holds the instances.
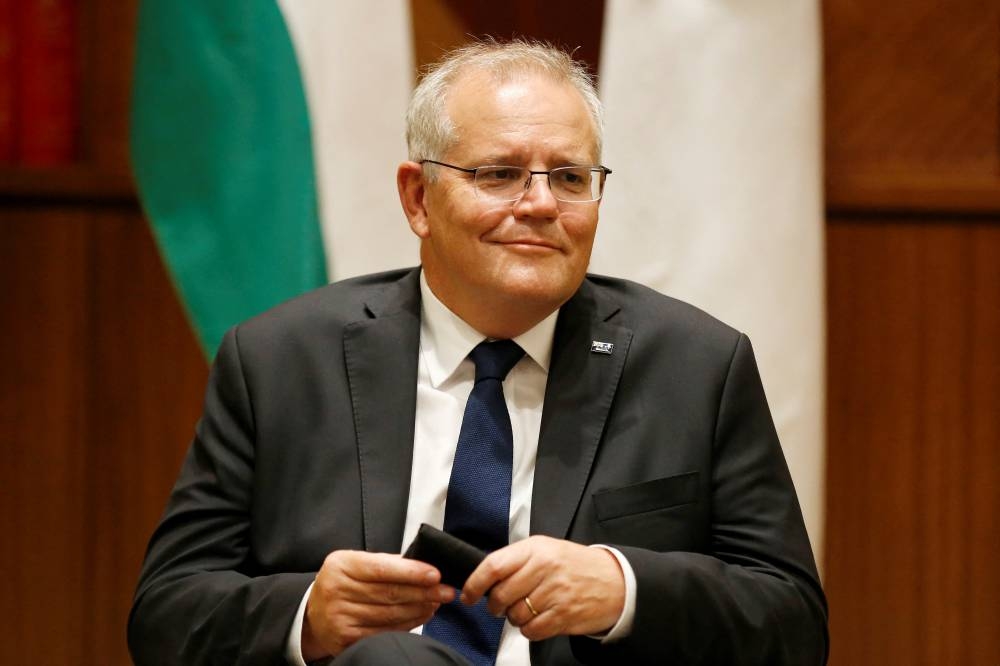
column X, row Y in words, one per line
column 573, row 589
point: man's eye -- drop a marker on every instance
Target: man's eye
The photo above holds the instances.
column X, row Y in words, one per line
column 499, row 179
column 502, row 175
column 572, row 178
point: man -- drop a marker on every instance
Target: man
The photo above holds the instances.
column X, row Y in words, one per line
column 649, row 512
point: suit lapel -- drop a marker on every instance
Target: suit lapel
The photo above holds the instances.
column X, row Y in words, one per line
column 381, row 356
column 578, row 396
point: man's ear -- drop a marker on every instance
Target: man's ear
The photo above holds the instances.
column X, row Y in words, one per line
column 410, row 182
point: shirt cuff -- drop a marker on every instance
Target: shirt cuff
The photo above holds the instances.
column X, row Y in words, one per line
column 293, row 645
column 623, row 627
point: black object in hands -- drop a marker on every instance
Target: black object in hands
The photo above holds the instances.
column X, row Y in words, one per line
column 454, row 558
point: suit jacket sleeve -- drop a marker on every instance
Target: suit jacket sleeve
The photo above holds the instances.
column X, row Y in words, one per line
column 200, row 599
column 754, row 597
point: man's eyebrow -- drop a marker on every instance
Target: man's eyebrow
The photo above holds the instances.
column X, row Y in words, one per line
column 498, row 159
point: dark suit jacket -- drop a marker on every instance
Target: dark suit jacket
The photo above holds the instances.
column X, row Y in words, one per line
column 664, row 448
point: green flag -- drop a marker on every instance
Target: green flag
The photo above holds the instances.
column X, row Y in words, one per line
column 222, row 154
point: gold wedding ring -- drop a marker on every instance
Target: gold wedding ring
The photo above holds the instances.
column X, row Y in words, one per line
column 527, row 602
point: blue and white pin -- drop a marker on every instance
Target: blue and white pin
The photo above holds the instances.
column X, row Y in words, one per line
column 598, row 347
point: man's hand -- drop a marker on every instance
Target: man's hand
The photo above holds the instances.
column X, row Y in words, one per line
column 573, row 588
column 357, row 594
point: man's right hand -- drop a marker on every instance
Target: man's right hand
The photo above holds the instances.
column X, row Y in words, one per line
column 357, row 594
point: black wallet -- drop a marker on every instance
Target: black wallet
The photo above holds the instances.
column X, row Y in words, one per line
column 454, row 558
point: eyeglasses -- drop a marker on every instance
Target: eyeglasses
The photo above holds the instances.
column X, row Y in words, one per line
column 571, row 184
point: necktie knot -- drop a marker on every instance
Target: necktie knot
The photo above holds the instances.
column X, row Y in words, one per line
column 495, row 359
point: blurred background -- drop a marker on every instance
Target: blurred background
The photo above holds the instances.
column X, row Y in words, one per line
column 896, row 150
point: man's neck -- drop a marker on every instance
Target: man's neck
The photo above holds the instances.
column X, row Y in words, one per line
column 501, row 318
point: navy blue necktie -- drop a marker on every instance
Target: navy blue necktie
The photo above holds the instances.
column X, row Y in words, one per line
column 478, row 505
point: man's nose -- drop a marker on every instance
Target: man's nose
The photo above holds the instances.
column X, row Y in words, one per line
column 538, row 200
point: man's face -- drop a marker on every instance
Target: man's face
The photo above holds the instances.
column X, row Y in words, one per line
column 532, row 252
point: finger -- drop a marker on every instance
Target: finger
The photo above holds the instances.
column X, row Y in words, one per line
column 386, row 568
column 510, row 592
column 541, row 627
column 584, row 594
column 394, row 593
column 497, row 566
column 519, row 613
column 364, row 615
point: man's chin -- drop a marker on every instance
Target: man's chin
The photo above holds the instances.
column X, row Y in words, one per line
column 538, row 290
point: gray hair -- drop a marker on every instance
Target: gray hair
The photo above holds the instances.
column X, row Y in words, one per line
column 430, row 132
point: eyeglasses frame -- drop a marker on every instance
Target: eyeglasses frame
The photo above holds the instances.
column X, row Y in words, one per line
column 531, row 174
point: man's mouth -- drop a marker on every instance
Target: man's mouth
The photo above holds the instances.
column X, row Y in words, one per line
column 537, row 244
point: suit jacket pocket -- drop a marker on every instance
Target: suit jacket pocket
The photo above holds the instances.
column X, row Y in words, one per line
column 646, row 496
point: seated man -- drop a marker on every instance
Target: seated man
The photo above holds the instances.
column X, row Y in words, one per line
column 609, row 447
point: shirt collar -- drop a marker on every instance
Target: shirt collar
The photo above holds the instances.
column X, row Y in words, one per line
column 446, row 339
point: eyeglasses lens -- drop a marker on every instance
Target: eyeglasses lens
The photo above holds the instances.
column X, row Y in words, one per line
column 570, row 184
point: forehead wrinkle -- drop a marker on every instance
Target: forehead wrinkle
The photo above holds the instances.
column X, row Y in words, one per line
column 522, row 158
column 513, row 147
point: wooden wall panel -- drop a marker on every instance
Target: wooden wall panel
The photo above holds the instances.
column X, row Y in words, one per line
column 150, row 377
column 109, row 49
column 982, row 598
column 101, row 386
column 913, row 103
column 44, row 270
column 913, row 196
column 914, row 479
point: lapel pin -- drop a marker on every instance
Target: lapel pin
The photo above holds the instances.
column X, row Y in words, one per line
column 598, row 347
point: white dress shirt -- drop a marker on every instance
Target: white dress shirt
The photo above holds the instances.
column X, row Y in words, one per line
column 445, row 376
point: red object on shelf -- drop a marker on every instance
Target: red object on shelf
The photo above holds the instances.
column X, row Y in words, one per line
column 47, row 81
column 7, row 78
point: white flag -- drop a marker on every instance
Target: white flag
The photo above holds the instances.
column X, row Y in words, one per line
column 714, row 136
column 357, row 64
